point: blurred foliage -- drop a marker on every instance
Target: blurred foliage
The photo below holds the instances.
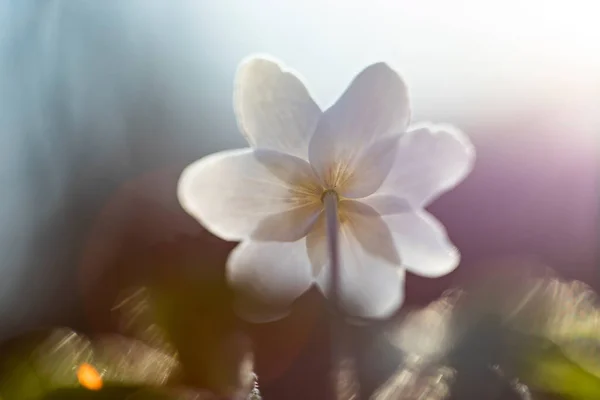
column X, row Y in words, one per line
column 512, row 336
column 515, row 335
column 112, row 393
column 191, row 304
column 45, row 365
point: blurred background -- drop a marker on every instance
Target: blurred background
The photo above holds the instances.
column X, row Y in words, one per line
column 102, row 104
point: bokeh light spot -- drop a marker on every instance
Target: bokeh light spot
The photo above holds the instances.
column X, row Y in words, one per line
column 89, row 377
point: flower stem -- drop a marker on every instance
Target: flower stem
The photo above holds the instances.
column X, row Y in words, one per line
column 330, row 200
column 343, row 382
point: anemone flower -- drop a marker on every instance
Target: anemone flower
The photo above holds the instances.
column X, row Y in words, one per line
column 317, row 189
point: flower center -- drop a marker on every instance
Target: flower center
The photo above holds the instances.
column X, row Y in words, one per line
column 329, row 192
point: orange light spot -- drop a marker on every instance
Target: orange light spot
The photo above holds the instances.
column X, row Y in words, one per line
column 88, row 377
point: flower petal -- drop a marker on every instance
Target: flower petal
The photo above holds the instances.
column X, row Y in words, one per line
column 316, row 246
column 386, row 204
column 241, row 193
column 368, row 287
column 375, row 104
column 431, row 159
column 371, row 282
column 424, row 247
column 287, row 226
column 267, row 277
column 273, row 107
column 366, row 169
column 365, row 225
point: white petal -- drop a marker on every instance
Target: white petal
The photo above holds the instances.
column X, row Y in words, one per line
column 431, row 159
column 273, row 108
column 366, row 168
column 243, row 193
column 287, row 226
column 375, row 104
column 367, row 226
column 370, row 285
column 316, row 246
column 267, row 277
column 386, row 204
column 423, row 244
column 368, row 288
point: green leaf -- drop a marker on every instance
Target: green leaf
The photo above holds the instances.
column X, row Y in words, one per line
column 547, row 369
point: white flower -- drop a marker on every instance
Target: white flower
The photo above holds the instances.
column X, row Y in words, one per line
column 269, row 196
